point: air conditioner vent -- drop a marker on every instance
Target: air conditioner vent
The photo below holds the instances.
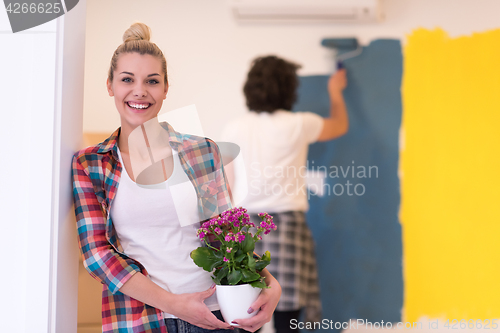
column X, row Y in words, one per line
column 306, row 10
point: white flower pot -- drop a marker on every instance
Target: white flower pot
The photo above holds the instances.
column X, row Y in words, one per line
column 234, row 301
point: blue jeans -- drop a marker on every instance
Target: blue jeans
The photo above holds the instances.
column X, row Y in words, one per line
column 175, row 325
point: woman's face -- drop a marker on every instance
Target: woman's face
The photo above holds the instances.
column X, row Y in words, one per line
column 138, row 88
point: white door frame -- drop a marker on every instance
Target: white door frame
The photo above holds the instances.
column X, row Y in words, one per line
column 68, row 127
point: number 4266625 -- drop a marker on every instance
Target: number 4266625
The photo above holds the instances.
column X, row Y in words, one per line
column 40, row 8
column 471, row 323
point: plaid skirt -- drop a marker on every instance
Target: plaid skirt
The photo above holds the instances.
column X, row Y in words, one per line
column 293, row 263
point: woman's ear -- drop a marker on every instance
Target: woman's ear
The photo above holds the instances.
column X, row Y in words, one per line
column 110, row 88
column 166, row 90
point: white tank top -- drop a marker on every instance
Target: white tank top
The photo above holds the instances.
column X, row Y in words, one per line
column 147, row 223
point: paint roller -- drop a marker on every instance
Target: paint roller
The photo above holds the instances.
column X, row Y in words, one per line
column 346, row 48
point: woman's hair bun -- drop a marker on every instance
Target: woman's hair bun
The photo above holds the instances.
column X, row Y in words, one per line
column 137, row 31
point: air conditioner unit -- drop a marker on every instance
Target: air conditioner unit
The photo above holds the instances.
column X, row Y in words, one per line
column 306, row 10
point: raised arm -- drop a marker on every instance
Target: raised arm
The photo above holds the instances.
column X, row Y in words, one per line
column 338, row 123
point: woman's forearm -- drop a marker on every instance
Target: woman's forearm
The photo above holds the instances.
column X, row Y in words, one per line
column 143, row 289
column 189, row 307
column 338, row 123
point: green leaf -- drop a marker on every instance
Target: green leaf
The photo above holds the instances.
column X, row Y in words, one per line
column 234, row 277
column 259, row 284
column 220, row 274
column 248, row 245
column 240, row 257
column 264, row 261
column 251, row 262
column 223, row 281
column 218, row 254
column 215, row 279
column 249, row 276
column 205, row 258
column 261, row 264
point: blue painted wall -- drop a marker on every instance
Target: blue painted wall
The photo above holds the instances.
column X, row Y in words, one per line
column 358, row 237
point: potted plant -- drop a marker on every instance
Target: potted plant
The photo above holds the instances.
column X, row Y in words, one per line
column 229, row 256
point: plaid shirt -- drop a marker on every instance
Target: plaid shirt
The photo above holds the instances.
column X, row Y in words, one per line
column 96, row 175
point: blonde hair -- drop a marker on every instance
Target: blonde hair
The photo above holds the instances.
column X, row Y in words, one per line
column 137, row 39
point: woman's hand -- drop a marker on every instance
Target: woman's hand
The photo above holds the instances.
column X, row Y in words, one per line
column 266, row 302
column 191, row 308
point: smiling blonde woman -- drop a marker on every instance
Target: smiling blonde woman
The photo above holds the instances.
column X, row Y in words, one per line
column 130, row 233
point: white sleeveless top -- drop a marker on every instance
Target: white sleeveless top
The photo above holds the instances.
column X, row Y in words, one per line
column 146, row 219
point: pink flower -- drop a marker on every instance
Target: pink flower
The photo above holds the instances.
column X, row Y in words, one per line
column 226, row 260
column 241, row 238
column 229, row 237
column 229, row 249
column 218, row 230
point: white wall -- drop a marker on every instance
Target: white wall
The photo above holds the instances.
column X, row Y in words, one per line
column 208, row 53
column 27, row 113
column 42, row 102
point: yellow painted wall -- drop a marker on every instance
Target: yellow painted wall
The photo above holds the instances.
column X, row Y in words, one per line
column 450, row 165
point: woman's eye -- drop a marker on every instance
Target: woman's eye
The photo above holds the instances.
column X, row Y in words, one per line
column 126, row 79
column 153, row 81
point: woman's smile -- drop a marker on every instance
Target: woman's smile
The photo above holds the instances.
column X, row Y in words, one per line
column 139, row 107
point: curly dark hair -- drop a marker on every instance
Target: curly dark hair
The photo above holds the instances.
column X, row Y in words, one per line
column 271, row 84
